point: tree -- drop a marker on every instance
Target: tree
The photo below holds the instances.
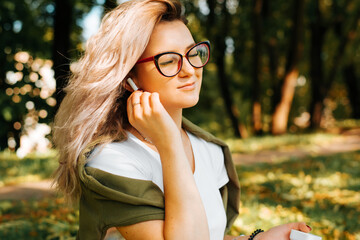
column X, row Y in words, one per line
column 34, row 22
column 61, row 45
column 353, row 87
column 109, row 5
column 256, row 74
column 24, row 26
column 218, row 36
column 344, row 25
column 67, row 36
column 282, row 110
column 317, row 30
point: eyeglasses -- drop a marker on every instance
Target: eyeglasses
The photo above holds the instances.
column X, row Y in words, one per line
column 170, row 63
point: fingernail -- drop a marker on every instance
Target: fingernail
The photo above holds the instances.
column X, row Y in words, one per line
column 309, row 227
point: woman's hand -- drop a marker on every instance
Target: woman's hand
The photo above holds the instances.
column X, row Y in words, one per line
column 150, row 118
column 282, row 232
column 185, row 216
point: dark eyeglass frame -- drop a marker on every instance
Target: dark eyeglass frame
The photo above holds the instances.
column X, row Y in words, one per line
column 155, row 58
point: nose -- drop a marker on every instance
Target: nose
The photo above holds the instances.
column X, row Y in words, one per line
column 186, row 69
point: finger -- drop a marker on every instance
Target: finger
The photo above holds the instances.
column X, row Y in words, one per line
column 134, row 97
column 155, row 103
column 301, row 226
column 134, row 105
column 145, row 105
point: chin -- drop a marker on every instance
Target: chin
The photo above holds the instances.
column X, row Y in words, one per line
column 188, row 103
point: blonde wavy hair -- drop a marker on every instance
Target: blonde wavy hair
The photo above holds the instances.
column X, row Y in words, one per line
column 94, row 107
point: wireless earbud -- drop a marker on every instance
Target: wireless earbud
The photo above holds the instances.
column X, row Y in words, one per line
column 132, row 84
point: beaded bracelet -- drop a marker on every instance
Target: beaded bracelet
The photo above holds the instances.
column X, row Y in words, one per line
column 256, row 232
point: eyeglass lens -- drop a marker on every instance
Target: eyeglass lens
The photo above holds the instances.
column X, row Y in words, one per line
column 170, row 64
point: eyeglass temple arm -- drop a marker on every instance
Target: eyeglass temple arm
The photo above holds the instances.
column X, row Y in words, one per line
column 146, row 60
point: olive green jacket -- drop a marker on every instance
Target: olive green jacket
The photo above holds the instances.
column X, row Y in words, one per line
column 109, row 200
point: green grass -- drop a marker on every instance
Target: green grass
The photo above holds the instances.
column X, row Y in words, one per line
column 288, row 141
column 35, row 220
column 324, row 191
column 34, row 167
column 348, row 123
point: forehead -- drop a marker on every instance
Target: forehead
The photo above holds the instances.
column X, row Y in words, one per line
column 169, row 36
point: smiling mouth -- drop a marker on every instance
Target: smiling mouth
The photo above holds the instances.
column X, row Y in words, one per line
column 189, row 86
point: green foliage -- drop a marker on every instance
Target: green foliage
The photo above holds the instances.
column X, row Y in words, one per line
column 322, row 191
column 277, row 27
column 287, row 141
column 32, row 168
column 26, row 26
column 43, row 219
column 48, row 218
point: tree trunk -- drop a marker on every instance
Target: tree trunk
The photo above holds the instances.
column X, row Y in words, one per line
column 274, row 66
column 353, row 87
column 345, row 38
column 282, row 110
column 218, row 39
column 109, row 5
column 61, row 46
column 321, row 89
column 273, row 55
column 256, row 86
column 318, row 90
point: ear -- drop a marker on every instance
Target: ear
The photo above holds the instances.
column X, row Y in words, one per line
column 129, row 84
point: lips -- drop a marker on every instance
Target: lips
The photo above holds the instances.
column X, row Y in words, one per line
column 188, row 86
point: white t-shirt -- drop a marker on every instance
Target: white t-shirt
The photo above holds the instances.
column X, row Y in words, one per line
column 134, row 159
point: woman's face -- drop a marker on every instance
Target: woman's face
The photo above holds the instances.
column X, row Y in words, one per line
column 181, row 90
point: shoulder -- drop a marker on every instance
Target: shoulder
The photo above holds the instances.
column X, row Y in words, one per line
column 210, row 151
column 120, row 158
column 201, row 133
column 211, row 147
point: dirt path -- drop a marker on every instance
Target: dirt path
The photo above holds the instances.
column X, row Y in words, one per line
column 27, row 191
column 349, row 141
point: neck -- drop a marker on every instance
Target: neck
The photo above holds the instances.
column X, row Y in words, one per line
column 176, row 115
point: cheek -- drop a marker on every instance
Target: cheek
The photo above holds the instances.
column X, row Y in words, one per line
column 148, row 77
column 155, row 84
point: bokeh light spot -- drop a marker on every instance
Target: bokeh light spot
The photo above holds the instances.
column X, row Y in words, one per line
column 43, row 113
column 19, row 66
column 16, row 98
column 22, row 57
column 9, row 91
column 30, row 105
column 36, row 92
column 11, row 142
column 33, row 77
column 16, row 90
column 17, row 125
column 51, row 101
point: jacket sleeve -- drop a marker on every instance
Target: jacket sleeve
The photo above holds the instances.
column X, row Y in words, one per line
column 109, row 200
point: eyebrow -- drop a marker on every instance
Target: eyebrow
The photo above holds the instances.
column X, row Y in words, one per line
column 191, row 45
column 187, row 48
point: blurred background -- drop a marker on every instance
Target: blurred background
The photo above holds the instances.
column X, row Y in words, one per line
column 282, row 88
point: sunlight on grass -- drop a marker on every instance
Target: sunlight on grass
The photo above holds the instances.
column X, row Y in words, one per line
column 44, row 219
column 288, row 141
column 34, row 167
column 322, row 191
column 348, row 123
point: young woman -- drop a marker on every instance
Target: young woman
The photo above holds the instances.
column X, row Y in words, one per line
column 130, row 157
